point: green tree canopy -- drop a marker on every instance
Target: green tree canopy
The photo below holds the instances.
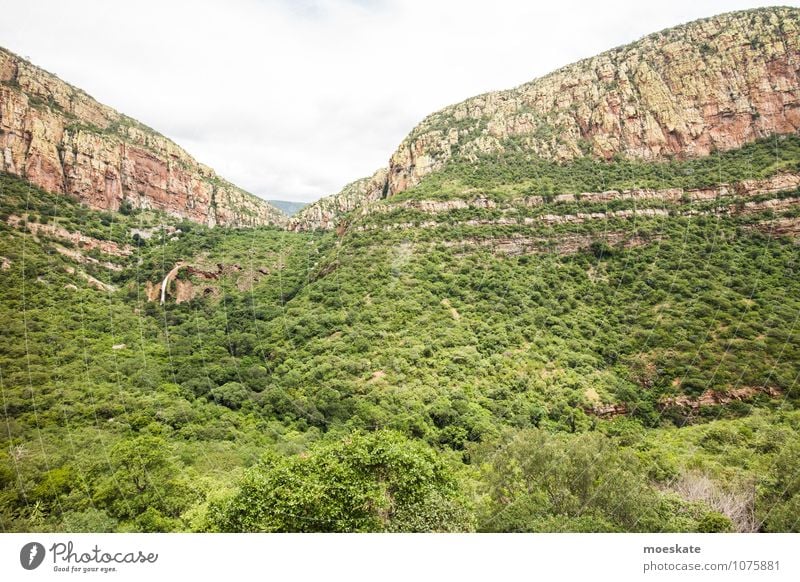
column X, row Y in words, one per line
column 364, row 482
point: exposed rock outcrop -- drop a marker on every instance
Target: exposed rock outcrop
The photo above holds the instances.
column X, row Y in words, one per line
column 62, row 140
column 97, row 283
column 202, row 280
column 772, row 185
column 689, row 403
column 326, row 213
column 673, row 199
column 713, row 84
column 789, row 226
column 77, row 239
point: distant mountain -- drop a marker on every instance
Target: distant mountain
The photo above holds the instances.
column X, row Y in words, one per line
column 288, row 207
column 62, row 140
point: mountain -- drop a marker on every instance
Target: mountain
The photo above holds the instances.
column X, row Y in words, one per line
column 711, row 85
column 504, row 334
column 325, row 213
column 62, row 140
column 288, row 207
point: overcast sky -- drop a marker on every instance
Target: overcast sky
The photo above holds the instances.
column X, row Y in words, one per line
column 293, row 99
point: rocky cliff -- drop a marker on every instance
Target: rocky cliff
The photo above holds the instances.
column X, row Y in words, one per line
column 713, row 84
column 61, row 139
column 326, row 213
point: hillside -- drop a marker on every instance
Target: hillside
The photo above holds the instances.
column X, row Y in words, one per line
column 711, row 85
column 325, row 214
column 64, row 141
column 714, row 84
column 517, row 337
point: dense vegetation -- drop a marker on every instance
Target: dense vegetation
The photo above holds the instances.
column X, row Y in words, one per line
column 386, row 380
column 515, row 171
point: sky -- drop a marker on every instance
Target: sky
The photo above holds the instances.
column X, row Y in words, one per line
column 291, row 100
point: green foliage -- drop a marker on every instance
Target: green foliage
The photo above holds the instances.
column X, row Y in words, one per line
column 144, row 484
column 89, row 521
column 364, row 482
column 541, row 482
column 714, row 522
column 781, row 496
column 230, row 394
column 515, row 171
column 407, row 379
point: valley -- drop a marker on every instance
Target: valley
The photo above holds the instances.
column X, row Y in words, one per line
column 570, row 306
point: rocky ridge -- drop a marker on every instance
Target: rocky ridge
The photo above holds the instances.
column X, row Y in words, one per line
column 62, row 140
column 326, row 213
column 713, row 84
column 516, row 226
column 773, row 185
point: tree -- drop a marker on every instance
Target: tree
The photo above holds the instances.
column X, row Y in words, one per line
column 781, row 500
column 364, row 482
column 143, row 483
column 542, row 482
column 230, row 394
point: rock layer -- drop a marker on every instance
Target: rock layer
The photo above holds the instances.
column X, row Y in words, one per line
column 326, row 213
column 692, row 404
column 59, row 138
column 713, row 84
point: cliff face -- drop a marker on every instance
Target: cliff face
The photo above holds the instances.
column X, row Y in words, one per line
column 714, row 84
column 62, row 140
column 325, row 214
column 711, row 84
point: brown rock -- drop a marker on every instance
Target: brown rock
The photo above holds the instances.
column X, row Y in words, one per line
column 325, row 214
column 64, row 141
column 712, row 84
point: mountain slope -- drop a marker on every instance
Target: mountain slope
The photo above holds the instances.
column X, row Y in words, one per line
column 713, row 84
column 514, row 342
column 326, row 213
column 64, row 141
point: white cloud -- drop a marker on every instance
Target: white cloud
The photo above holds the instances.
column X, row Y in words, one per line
column 293, row 99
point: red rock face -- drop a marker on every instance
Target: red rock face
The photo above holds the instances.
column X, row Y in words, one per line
column 713, row 84
column 62, row 140
column 688, row 403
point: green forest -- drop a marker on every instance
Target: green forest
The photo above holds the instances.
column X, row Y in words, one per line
column 642, row 377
